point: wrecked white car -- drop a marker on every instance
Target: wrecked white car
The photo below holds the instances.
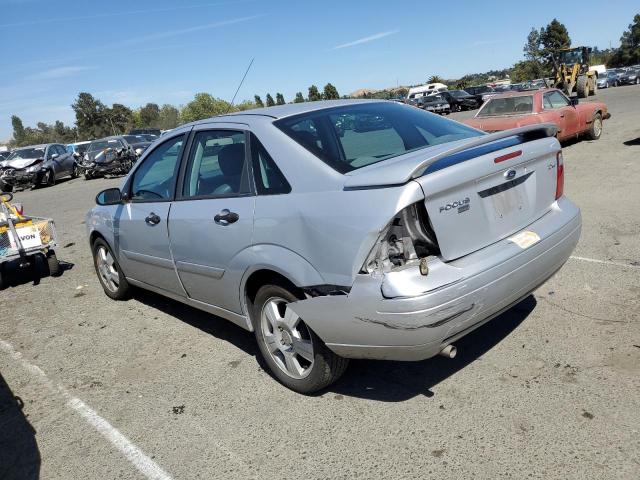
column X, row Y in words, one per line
column 337, row 230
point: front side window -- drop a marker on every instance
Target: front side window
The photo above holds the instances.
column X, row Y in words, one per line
column 354, row 136
column 154, row 180
column 555, row 100
column 217, row 165
column 495, row 107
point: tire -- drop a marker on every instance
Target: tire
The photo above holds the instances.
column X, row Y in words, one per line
column 53, row 264
column 582, row 86
column 110, row 275
column 637, row 80
column 3, row 278
column 295, row 355
column 594, row 86
column 5, row 187
column 88, row 176
column 595, row 130
column 74, row 171
column 48, row 179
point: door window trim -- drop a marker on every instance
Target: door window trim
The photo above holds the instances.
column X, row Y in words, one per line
column 178, row 191
column 129, row 182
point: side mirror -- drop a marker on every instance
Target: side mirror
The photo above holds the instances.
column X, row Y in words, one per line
column 110, row 196
column 54, row 156
column 77, row 154
column 575, row 101
column 119, row 151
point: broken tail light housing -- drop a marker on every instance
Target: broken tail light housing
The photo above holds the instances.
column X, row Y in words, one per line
column 560, row 175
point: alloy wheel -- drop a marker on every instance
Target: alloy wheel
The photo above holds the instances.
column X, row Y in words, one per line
column 107, row 269
column 287, row 338
column 597, row 127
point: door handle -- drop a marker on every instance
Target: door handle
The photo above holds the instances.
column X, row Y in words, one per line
column 152, row 219
column 225, row 217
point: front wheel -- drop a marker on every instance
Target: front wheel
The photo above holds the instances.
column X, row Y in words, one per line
column 75, row 173
column 111, row 278
column 595, row 131
column 5, row 187
column 296, row 356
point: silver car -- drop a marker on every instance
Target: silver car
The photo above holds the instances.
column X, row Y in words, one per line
column 341, row 229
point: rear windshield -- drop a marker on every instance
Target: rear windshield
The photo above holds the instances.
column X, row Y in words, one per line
column 507, row 106
column 354, row 136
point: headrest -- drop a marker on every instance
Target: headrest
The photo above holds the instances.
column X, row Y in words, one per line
column 231, row 159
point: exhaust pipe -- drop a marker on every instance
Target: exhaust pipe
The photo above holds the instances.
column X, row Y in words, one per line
column 449, row 351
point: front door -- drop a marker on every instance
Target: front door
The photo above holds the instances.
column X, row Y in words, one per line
column 142, row 238
column 211, row 220
column 566, row 114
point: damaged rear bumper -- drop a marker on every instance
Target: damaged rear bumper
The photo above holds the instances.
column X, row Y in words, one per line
column 404, row 315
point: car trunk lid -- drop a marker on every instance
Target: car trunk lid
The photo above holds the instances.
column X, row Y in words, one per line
column 479, row 190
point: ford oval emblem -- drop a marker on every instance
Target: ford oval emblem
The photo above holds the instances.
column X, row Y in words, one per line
column 509, row 174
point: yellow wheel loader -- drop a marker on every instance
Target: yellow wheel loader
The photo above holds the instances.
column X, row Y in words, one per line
column 572, row 72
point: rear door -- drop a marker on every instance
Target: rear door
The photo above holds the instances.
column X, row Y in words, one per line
column 143, row 236
column 211, row 220
column 565, row 114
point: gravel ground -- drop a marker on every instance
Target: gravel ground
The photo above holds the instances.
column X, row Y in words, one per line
column 548, row 390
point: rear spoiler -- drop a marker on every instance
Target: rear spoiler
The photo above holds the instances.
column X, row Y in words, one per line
column 401, row 172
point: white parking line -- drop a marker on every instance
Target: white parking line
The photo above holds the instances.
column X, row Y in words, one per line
column 605, row 262
column 137, row 457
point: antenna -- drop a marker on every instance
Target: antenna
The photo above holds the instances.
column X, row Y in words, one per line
column 241, row 82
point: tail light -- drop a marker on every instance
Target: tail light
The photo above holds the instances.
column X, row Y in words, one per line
column 560, row 175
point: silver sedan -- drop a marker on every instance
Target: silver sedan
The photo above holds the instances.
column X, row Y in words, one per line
column 337, row 230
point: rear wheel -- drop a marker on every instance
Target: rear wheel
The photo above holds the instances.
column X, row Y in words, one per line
column 111, row 278
column 296, row 356
column 88, row 176
column 54, row 264
column 3, row 277
column 596, row 127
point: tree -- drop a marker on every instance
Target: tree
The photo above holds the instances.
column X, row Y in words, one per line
column 435, row 79
column 90, row 119
column 533, row 47
column 150, row 115
column 314, row 94
column 330, row 92
column 204, row 105
column 258, row 101
column 246, row 105
column 169, row 117
column 118, row 118
column 525, row 70
column 299, row 98
column 553, row 38
column 270, row 102
column 280, row 99
column 629, row 51
column 18, row 130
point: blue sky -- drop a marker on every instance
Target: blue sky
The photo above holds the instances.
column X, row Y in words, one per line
column 165, row 51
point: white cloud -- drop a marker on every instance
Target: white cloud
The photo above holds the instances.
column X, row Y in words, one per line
column 368, row 39
column 59, row 72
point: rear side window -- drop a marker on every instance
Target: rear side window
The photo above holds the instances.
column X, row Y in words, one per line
column 354, row 136
column 269, row 179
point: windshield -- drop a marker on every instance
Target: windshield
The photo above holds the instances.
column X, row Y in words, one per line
column 507, row 106
column 459, row 94
column 134, row 138
column 27, row 154
column 354, row 136
column 572, row 56
column 102, row 144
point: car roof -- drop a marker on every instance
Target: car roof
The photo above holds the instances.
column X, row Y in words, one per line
column 522, row 93
column 288, row 110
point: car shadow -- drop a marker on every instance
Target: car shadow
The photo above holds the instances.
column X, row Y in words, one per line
column 14, row 275
column 632, row 143
column 19, row 454
column 387, row 381
column 384, row 381
column 213, row 325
